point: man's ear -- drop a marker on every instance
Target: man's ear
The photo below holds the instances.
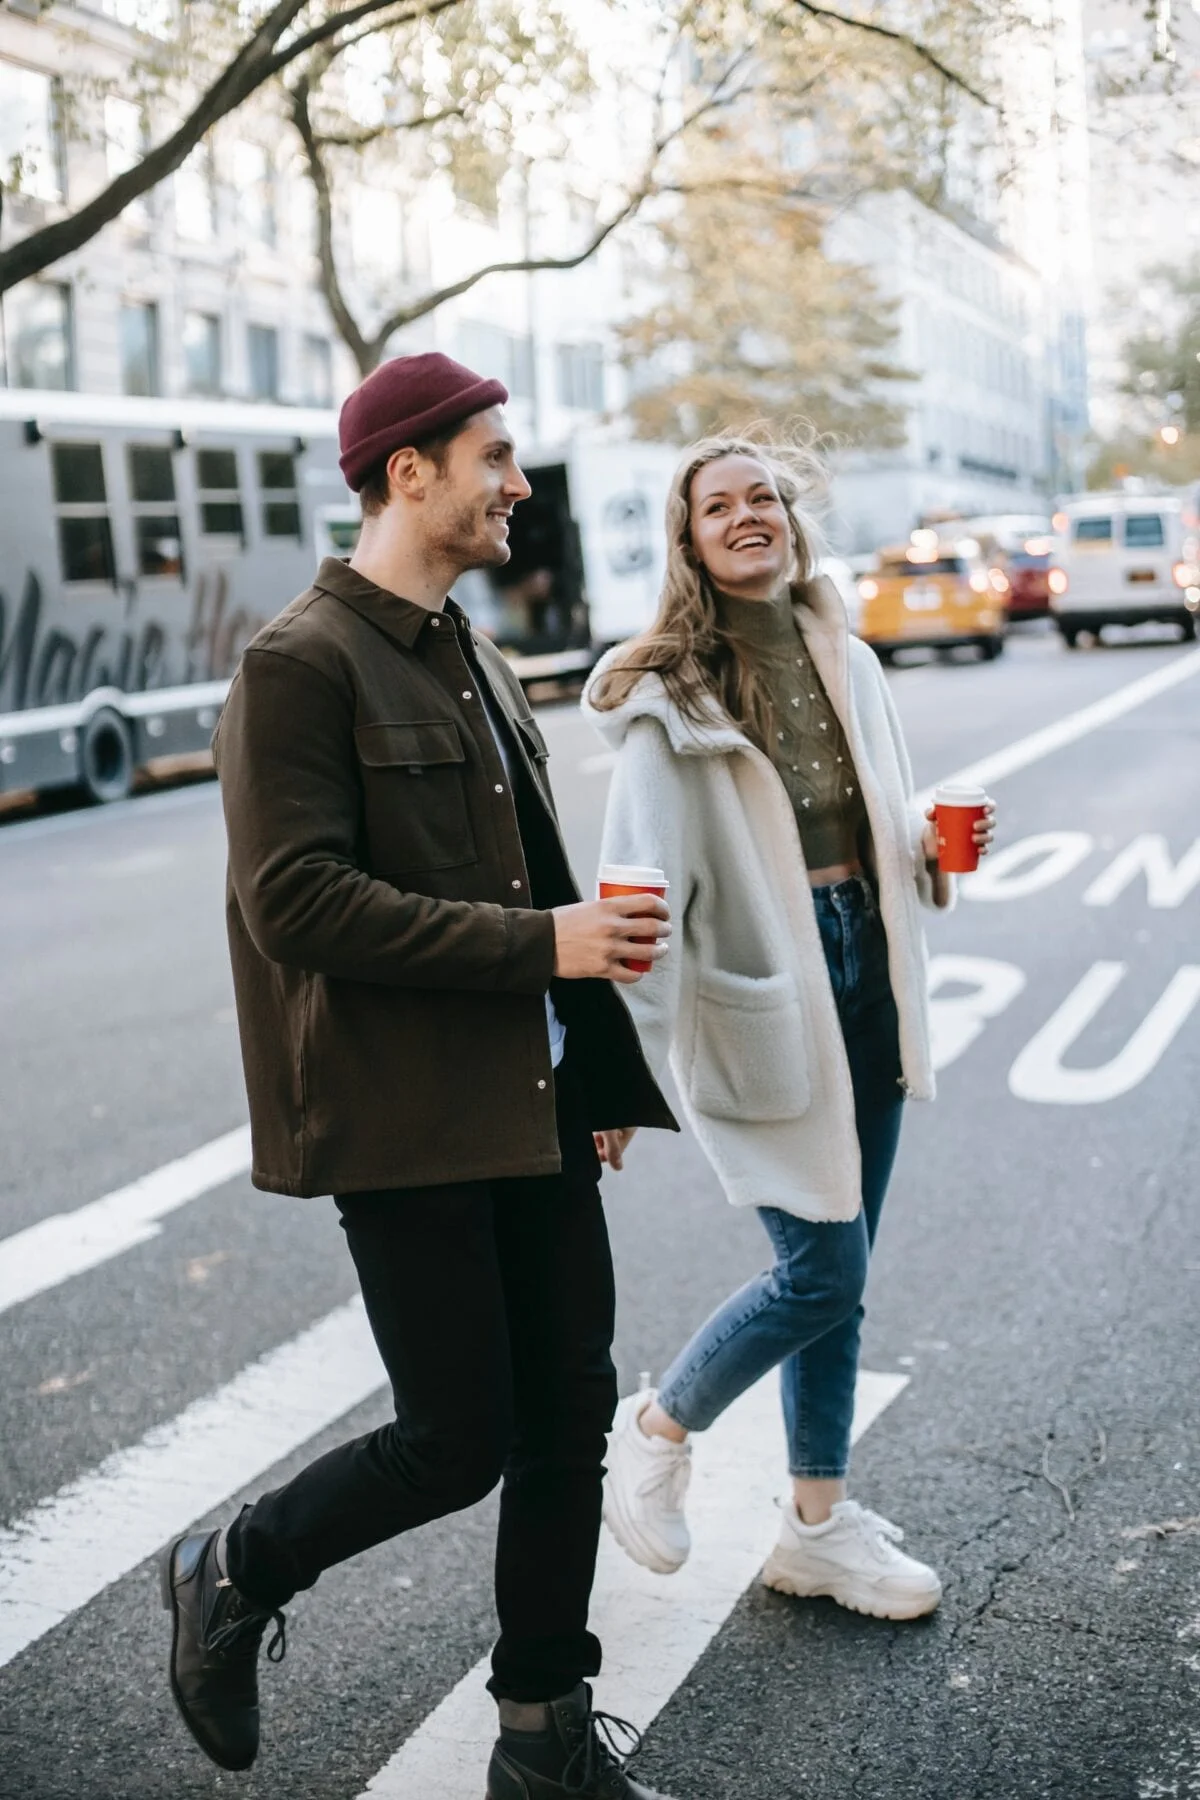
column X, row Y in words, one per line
column 405, row 475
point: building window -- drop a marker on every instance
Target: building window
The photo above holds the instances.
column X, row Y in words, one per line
column 202, row 352
column 124, row 147
column 30, row 133
column 494, row 351
column 81, row 503
column 196, row 197
column 220, row 495
column 155, row 521
column 262, row 348
column 581, row 376
column 255, row 182
column 38, row 336
column 281, row 500
column 316, row 370
column 139, row 348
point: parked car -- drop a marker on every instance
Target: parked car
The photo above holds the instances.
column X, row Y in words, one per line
column 935, row 593
column 1020, row 546
column 1124, row 559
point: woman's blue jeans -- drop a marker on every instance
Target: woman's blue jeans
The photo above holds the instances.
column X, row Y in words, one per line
column 805, row 1312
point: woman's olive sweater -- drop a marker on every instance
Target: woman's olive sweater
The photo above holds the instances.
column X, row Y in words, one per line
column 808, row 746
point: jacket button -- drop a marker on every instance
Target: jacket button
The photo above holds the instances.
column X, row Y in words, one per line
column 499, row 787
column 434, row 623
column 541, row 1084
column 466, row 693
column 516, row 884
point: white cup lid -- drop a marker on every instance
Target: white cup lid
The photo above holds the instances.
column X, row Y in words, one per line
column 959, row 793
column 631, row 875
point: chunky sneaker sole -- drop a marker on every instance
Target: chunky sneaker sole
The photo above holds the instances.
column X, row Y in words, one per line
column 621, row 1485
column 780, row 1573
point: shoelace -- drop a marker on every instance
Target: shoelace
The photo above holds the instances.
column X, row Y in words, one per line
column 672, row 1477
column 598, row 1750
column 245, row 1625
column 874, row 1526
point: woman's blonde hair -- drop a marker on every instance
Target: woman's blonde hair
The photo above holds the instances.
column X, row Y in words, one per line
column 695, row 656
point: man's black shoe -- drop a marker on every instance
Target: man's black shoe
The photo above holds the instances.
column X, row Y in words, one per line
column 215, row 1640
column 563, row 1751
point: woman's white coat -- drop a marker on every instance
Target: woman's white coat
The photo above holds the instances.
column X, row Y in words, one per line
column 742, row 1004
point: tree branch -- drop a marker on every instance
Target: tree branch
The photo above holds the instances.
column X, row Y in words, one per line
column 255, row 63
column 718, row 96
column 909, row 42
column 348, row 327
column 361, row 140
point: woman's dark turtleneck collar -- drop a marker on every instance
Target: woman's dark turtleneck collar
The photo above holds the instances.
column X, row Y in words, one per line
column 767, row 624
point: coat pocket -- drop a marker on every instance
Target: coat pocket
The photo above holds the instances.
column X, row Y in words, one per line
column 750, row 1058
column 415, row 799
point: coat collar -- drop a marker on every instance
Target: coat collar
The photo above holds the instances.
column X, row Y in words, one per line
column 821, row 617
column 401, row 619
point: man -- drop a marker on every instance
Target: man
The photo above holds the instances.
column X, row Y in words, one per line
column 431, row 1033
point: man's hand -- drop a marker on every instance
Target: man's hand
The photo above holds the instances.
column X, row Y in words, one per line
column 594, row 938
column 612, row 1145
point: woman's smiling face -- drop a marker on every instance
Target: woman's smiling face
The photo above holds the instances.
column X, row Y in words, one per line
column 740, row 528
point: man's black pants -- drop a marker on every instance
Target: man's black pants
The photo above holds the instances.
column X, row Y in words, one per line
column 492, row 1306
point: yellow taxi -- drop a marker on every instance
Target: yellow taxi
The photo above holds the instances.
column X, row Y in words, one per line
column 933, row 592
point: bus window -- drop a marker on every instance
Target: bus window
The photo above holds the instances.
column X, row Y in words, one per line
column 1144, row 531
column 220, row 496
column 155, row 531
column 281, row 507
column 85, row 545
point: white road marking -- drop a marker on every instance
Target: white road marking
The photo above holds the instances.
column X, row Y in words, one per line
column 1028, row 865
column 956, row 1020
column 1038, row 1073
column 69, row 1548
column 1167, row 883
column 1075, row 725
column 66, row 1244
column 653, row 1629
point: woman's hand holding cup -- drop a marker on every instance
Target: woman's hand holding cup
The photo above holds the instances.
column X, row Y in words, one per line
column 962, row 824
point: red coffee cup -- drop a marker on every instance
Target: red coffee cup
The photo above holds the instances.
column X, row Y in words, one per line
column 618, row 879
column 958, row 808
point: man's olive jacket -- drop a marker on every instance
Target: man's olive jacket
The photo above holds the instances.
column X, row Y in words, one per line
column 391, row 948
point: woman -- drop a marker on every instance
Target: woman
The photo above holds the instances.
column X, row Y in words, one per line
column 761, row 764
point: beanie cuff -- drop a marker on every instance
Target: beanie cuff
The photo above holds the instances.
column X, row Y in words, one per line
column 363, row 455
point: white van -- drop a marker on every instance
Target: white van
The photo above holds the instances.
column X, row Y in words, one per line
column 1124, row 559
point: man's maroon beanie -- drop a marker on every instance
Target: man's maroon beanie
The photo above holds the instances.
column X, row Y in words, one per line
column 405, row 400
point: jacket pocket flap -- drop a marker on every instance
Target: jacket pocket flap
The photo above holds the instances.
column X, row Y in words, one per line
column 748, row 993
column 419, row 744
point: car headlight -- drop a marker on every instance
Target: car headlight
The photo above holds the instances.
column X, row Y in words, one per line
column 1186, row 575
column 1057, row 581
column 868, row 589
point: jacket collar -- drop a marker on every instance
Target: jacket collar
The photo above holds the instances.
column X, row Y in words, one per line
column 401, row 619
column 821, row 616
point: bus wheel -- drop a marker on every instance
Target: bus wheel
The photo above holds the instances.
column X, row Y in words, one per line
column 106, row 757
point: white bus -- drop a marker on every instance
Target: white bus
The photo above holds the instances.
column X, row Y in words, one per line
column 144, row 542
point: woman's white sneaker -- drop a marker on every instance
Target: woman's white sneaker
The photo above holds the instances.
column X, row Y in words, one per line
column 645, row 1488
column 854, row 1559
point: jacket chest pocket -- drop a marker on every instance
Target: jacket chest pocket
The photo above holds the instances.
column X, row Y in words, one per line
column 414, row 778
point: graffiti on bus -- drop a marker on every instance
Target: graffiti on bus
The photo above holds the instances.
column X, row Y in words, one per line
column 45, row 665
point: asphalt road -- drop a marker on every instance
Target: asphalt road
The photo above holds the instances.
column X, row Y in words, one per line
column 1037, row 1278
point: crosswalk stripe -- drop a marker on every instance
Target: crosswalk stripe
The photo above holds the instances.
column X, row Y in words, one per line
column 69, row 1548
column 66, row 1244
column 653, row 1629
